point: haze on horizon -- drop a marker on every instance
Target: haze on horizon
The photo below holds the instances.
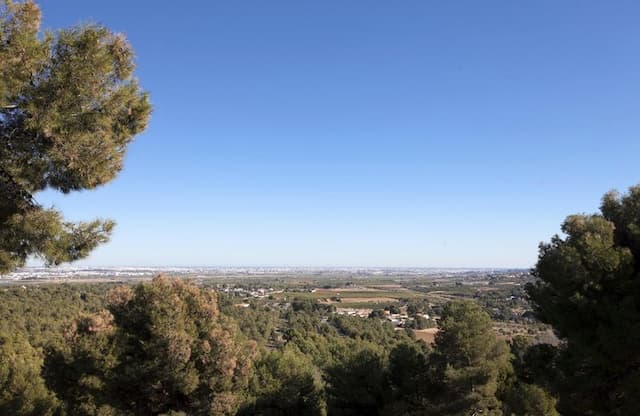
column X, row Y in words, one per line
column 360, row 134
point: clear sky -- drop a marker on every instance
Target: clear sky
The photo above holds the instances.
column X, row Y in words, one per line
column 365, row 133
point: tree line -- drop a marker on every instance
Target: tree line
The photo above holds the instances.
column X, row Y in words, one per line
column 171, row 347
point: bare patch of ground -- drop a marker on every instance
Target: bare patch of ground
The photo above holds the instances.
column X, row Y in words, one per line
column 427, row 335
column 372, row 299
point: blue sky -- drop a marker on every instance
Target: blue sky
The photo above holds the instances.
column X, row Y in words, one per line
column 365, row 133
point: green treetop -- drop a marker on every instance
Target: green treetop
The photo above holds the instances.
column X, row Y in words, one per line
column 588, row 288
column 69, row 106
column 472, row 363
column 161, row 347
column 22, row 389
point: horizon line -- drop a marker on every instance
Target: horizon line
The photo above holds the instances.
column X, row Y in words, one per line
column 272, row 266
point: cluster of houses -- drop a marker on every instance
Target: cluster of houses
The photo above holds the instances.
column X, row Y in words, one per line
column 248, row 293
column 362, row 313
column 398, row 320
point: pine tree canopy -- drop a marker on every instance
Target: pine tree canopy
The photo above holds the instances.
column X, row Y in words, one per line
column 69, row 106
column 588, row 288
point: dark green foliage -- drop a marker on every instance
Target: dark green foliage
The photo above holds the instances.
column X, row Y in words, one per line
column 471, row 363
column 161, row 347
column 257, row 322
column 410, row 378
column 143, row 350
column 529, row 400
column 501, row 302
column 420, row 322
column 377, row 313
column 357, row 382
column 536, row 364
column 174, row 349
column 392, row 309
column 42, row 312
column 79, row 371
column 285, row 383
column 378, row 331
column 588, row 288
column 69, row 106
column 22, row 389
column 418, row 306
column 312, row 337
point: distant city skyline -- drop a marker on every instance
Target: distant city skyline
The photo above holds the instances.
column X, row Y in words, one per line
column 62, row 273
column 413, row 134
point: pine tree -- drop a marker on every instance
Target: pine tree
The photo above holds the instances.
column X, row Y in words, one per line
column 588, row 288
column 161, row 347
column 22, row 389
column 471, row 363
column 69, row 107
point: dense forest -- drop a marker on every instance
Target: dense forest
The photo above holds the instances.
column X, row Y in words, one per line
column 168, row 346
column 69, row 107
